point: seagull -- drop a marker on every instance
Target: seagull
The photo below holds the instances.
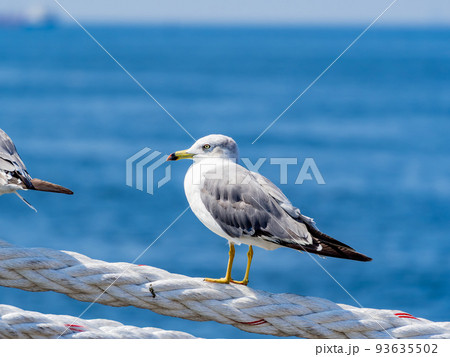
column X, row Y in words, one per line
column 245, row 207
column 14, row 175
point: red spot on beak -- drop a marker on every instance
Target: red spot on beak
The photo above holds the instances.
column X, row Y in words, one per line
column 172, row 157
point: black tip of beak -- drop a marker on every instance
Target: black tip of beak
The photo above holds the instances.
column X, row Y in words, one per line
column 172, row 157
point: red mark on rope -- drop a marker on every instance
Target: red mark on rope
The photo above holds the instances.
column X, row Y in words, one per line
column 253, row 323
column 75, row 328
column 404, row 315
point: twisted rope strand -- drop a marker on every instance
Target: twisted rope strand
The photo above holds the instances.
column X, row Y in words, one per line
column 18, row 323
column 84, row 279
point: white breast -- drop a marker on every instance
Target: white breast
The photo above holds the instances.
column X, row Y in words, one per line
column 192, row 186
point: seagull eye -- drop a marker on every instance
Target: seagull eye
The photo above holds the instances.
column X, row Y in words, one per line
column 206, row 147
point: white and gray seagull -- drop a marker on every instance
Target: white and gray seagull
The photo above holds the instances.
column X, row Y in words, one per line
column 14, row 175
column 245, row 207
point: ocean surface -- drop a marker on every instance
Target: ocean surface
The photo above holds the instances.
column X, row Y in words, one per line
column 376, row 124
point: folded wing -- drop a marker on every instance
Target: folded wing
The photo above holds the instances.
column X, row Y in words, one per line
column 251, row 205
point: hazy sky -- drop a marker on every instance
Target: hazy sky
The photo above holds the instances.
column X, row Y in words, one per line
column 420, row 12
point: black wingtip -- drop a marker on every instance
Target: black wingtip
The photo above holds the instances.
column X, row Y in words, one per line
column 367, row 259
column 331, row 247
column 335, row 251
column 342, row 253
column 359, row 257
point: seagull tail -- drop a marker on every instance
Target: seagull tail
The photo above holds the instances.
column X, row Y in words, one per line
column 40, row 185
column 327, row 246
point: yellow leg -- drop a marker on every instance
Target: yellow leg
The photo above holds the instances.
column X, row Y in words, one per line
column 227, row 278
column 247, row 271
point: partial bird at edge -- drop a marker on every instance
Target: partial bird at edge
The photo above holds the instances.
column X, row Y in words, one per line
column 14, row 175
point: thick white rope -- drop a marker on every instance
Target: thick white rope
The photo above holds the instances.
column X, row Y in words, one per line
column 86, row 279
column 18, row 323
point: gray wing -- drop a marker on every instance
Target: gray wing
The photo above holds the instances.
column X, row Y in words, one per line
column 270, row 188
column 251, row 205
column 242, row 207
column 10, row 160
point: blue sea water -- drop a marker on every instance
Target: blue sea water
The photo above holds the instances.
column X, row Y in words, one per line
column 377, row 125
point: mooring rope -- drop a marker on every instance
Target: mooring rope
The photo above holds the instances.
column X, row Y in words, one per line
column 18, row 323
column 86, row 279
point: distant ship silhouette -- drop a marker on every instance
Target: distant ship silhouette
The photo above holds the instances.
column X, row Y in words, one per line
column 33, row 17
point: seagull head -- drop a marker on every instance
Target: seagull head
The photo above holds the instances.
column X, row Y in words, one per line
column 211, row 146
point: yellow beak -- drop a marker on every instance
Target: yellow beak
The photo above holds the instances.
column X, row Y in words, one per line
column 178, row 155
